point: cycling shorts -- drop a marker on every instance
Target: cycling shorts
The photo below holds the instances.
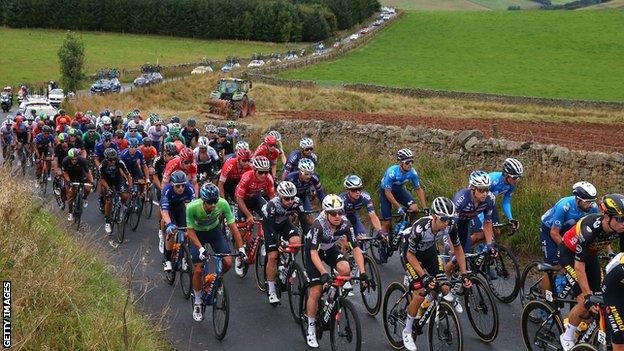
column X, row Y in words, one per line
column 283, row 230
column 429, row 260
column 401, row 195
column 177, row 213
column 254, row 204
column 549, row 247
column 614, row 301
column 592, row 270
column 215, row 238
column 356, row 223
column 229, row 187
column 331, row 257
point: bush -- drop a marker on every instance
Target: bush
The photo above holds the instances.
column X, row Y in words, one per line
column 71, row 58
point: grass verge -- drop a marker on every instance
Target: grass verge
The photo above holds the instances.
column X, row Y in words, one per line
column 63, row 296
column 458, row 5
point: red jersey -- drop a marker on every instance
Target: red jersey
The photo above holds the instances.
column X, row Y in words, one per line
column 249, row 186
column 175, row 165
column 61, row 122
column 149, row 153
column 263, row 150
column 122, row 144
column 231, row 172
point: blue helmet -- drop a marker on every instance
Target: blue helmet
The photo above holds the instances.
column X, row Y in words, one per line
column 133, row 142
column 107, row 135
column 479, row 179
column 209, row 193
column 178, row 177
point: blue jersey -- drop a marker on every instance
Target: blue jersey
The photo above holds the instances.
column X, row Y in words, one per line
column 170, row 198
column 99, row 149
column 395, row 178
column 41, row 140
column 292, row 162
column 466, row 209
column 132, row 161
column 137, row 136
column 303, row 189
column 351, row 207
column 499, row 187
column 565, row 213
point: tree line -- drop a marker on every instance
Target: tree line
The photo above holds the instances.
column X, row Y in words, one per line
column 265, row 20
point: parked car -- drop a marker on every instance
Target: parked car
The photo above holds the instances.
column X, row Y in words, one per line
column 38, row 103
column 291, row 56
column 56, row 96
column 228, row 67
column 255, row 63
column 201, row 70
column 354, row 37
column 365, row 30
column 148, row 78
column 102, row 86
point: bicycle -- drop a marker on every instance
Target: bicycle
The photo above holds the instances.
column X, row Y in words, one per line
column 600, row 339
column 148, row 207
column 181, row 262
column 371, row 294
column 254, row 247
column 78, row 201
column 335, row 313
column 46, row 165
column 95, row 171
column 443, row 321
column 403, row 221
column 136, row 207
column 58, row 188
column 215, row 294
column 119, row 216
column 290, row 276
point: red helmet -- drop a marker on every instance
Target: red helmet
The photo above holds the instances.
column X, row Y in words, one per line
column 270, row 140
column 187, row 155
column 19, row 119
column 243, row 154
column 78, row 115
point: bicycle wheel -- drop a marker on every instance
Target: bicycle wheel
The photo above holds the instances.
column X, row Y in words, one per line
column 507, row 283
column 171, row 275
column 78, row 209
column 394, row 313
column 186, row 270
column 148, row 207
column 345, row 330
column 445, row 332
column 220, row 309
column 584, row 347
column 303, row 320
column 122, row 218
column 530, row 283
column 541, row 326
column 296, row 287
column 260, row 267
column 135, row 213
column 371, row 296
column 482, row 311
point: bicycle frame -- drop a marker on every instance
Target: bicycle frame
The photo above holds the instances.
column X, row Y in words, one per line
column 250, row 243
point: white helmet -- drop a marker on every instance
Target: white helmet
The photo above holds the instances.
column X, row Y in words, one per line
column 202, row 141
column 286, row 189
column 404, row 155
column 352, row 182
column 132, row 125
column 211, row 129
column 584, row 191
column 306, row 143
column 306, row 165
column 479, row 179
column 106, row 120
column 261, row 163
column 332, row 202
column 443, row 207
column 242, row 145
column 276, row 134
column 513, row 167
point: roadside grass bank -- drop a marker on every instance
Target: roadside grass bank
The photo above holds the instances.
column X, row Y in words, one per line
column 188, row 97
column 63, row 296
column 558, row 54
column 459, row 5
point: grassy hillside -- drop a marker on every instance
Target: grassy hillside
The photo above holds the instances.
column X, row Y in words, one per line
column 613, row 4
column 454, row 5
column 29, row 55
column 64, row 298
column 563, row 54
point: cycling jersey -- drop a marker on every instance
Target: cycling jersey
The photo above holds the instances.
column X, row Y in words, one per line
column 272, row 155
column 156, row 133
column 209, row 163
column 7, row 134
column 588, row 237
column 190, row 135
column 230, row 171
column 170, row 198
column 352, row 207
column 250, row 186
column 100, row 147
column 122, row 143
column 43, row 143
column 613, row 298
column 134, row 162
column 171, row 139
column 76, row 143
column 60, row 153
column 305, row 188
column 199, row 220
column 422, row 237
column 159, row 167
column 565, row 213
column 323, row 238
column 90, row 140
column 395, row 178
column 276, row 221
column 175, row 164
column 293, row 160
column 467, row 209
column 135, row 135
column 111, row 171
column 232, row 135
column 149, row 153
column 21, row 132
column 499, row 187
column 77, row 171
column 226, row 146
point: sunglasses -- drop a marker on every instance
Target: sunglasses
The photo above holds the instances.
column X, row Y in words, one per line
column 245, row 160
column 514, row 176
column 446, row 219
column 334, row 213
column 214, row 202
column 179, row 185
column 408, row 162
column 619, row 219
column 288, row 198
column 358, row 190
column 263, row 172
column 308, row 149
column 271, row 145
column 482, row 190
column 187, row 162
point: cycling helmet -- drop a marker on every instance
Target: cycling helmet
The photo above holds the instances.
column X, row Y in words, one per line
column 73, row 152
column 286, row 189
column 140, row 128
column 306, row 165
column 61, row 112
column 106, row 120
column 584, row 191
column 211, row 129
column 89, row 113
column 405, row 155
column 110, row 154
column 107, row 136
column 479, row 179
column 242, row 145
column 46, row 129
column 174, row 131
column 261, row 163
column 306, row 143
column 9, row 120
column 133, row 142
column 43, row 116
column 71, row 132
column 513, row 167
column 187, row 154
column 270, row 140
column 18, row 113
column 132, row 125
column 231, row 124
column 202, row 141
column 90, row 127
column 75, row 124
column 443, row 207
column 222, row 132
column 147, row 142
column 171, row 149
column 332, row 202
column 120, row 133
column 178, row 177
column 276, row 134
column 613, row 204
column 78, row 115
column 352, row 182
column 209, row 193
column 130, row 115
column 175, row 119
column 243, row 154
column 190, row 122
column 19, row 118
column 62, row 137
column 30, row 118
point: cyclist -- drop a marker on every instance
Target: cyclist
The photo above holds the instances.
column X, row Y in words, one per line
column 269, row 150
column 156, row 132
column 207, row 160
column 612, row 291
column 44, row 143
column 62, row 121
column 190, row 134
column 306, row 145
column 211, row 132
column 90, row 138
column 184, row 162
column 280, row 147
column 105, row 143
column 174, row 134
column 224, row 147
column 327, row 230
column 60, row 152
column 105, row 125
column 307, row 182
column 354, row 200
column 133, row 132
column 203, row 217
column 8, row 138
column 22, row 135
column 175, row 196
column 76, row 170
column 232, row 133
column 276, row 223
column 422, row 264
column 232, row 171
column 135, row 164
column 173, row 121
column 113, row 173
column 119, row 140
column 578, row 254
column 170, row 151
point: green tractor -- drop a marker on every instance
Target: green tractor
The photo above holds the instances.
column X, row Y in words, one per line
column 231, row 98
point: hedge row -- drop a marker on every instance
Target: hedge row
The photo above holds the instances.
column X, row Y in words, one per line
column 266, row 20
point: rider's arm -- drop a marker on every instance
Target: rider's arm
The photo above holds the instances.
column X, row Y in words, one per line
column 488, row 230
column 229, row 219
column 581, row 277
column 555, row 235
column 507, row 204
column 192, row 237
column 413, row 261
column 164, row 204
column 421, row 196
column 391, row 199
column 458, row 250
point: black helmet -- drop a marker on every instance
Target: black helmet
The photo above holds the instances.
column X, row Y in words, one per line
column 190, row 122
column 120, row 133
column 613, row 204
column 110, row 154
column 90, row 126
column 46, row 129
column 221, row 131
column 171, row 149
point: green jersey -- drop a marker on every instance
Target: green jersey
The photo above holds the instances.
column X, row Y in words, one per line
column 169, row 139
column 198, row 219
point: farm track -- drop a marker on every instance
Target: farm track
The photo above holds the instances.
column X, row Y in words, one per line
column 578, row 136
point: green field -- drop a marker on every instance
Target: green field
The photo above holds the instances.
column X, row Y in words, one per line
column 452, row 5
column 613, row 4
column 562, row 54
column 29, row 55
